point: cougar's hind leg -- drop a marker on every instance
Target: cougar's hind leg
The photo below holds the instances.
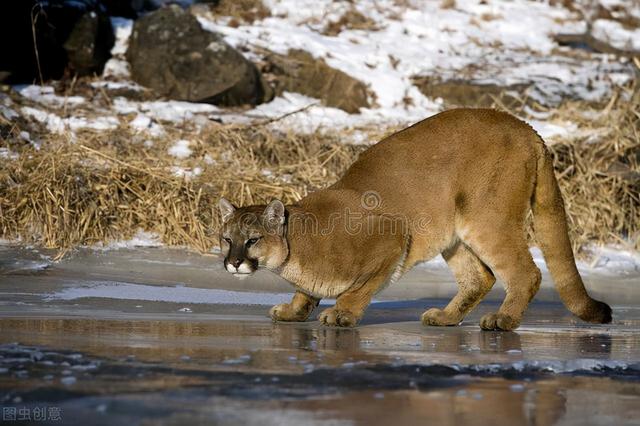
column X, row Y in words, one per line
column 299, row 309
column 474, row 282
column 505, row 250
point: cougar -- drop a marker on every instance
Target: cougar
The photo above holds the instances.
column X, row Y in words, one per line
column 460, row 184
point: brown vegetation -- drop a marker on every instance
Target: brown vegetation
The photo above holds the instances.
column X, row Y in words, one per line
column 600, row 177
column 350, row 20
column 245, row 11
column 106, row 186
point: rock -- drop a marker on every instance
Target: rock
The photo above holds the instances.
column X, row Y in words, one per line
column 300, row 72
column 170, row 53
column 71, row 35
column 125, row 8
column 89, row 45
column 465, row 93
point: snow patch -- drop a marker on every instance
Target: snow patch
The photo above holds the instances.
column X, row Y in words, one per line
column 501, row 42
column 180, row 149
column 186, row 173
column 172, row 111
column 117, row 66
column 548, row 130
column 117, row 85
column 140, row 239
column 607, row 260
column 45, row 95
column 56, row 124
column 143, row 123
column 6, row 153
column 616, row 35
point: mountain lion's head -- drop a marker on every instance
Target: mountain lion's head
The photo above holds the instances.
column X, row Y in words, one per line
column 252, row 236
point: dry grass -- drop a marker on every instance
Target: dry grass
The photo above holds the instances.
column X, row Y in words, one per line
column 350, row 20
column 106, row 186
column 600, row 179
column 242, row 11
column 598, row 168
column 447, row 4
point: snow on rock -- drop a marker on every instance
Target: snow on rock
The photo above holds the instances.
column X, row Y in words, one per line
column 180, row 149
column 315, row 117
column 117, row 66
column 501, row 42
column 504, row 43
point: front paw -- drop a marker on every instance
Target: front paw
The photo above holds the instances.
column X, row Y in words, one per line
column 282, row 312
column 438, row 317
column 338, row 318
column 499, row 321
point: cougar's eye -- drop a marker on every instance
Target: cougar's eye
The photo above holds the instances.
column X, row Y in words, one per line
column 252, row 241
column 228, row 240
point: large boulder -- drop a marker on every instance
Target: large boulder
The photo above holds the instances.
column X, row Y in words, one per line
column 300, row 72
column 73, row 36
column 170, row 53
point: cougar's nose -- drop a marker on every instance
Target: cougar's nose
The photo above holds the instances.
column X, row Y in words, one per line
column 236, row 263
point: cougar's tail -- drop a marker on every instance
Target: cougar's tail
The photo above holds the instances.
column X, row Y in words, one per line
column 551, row 231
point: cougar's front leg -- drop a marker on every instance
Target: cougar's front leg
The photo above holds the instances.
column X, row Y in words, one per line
column 388, row 253
column 351, row 304
column 299, row 309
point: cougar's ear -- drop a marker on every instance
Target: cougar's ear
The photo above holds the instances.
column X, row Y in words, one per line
column 274, row 213
column 226, row 209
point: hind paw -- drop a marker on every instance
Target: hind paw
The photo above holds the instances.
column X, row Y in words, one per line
column 598, row 313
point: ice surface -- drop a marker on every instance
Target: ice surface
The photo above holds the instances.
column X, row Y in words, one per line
column 178, row 294
column 553, row 366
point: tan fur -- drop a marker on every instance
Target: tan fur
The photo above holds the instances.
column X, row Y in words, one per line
column 459, row 183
